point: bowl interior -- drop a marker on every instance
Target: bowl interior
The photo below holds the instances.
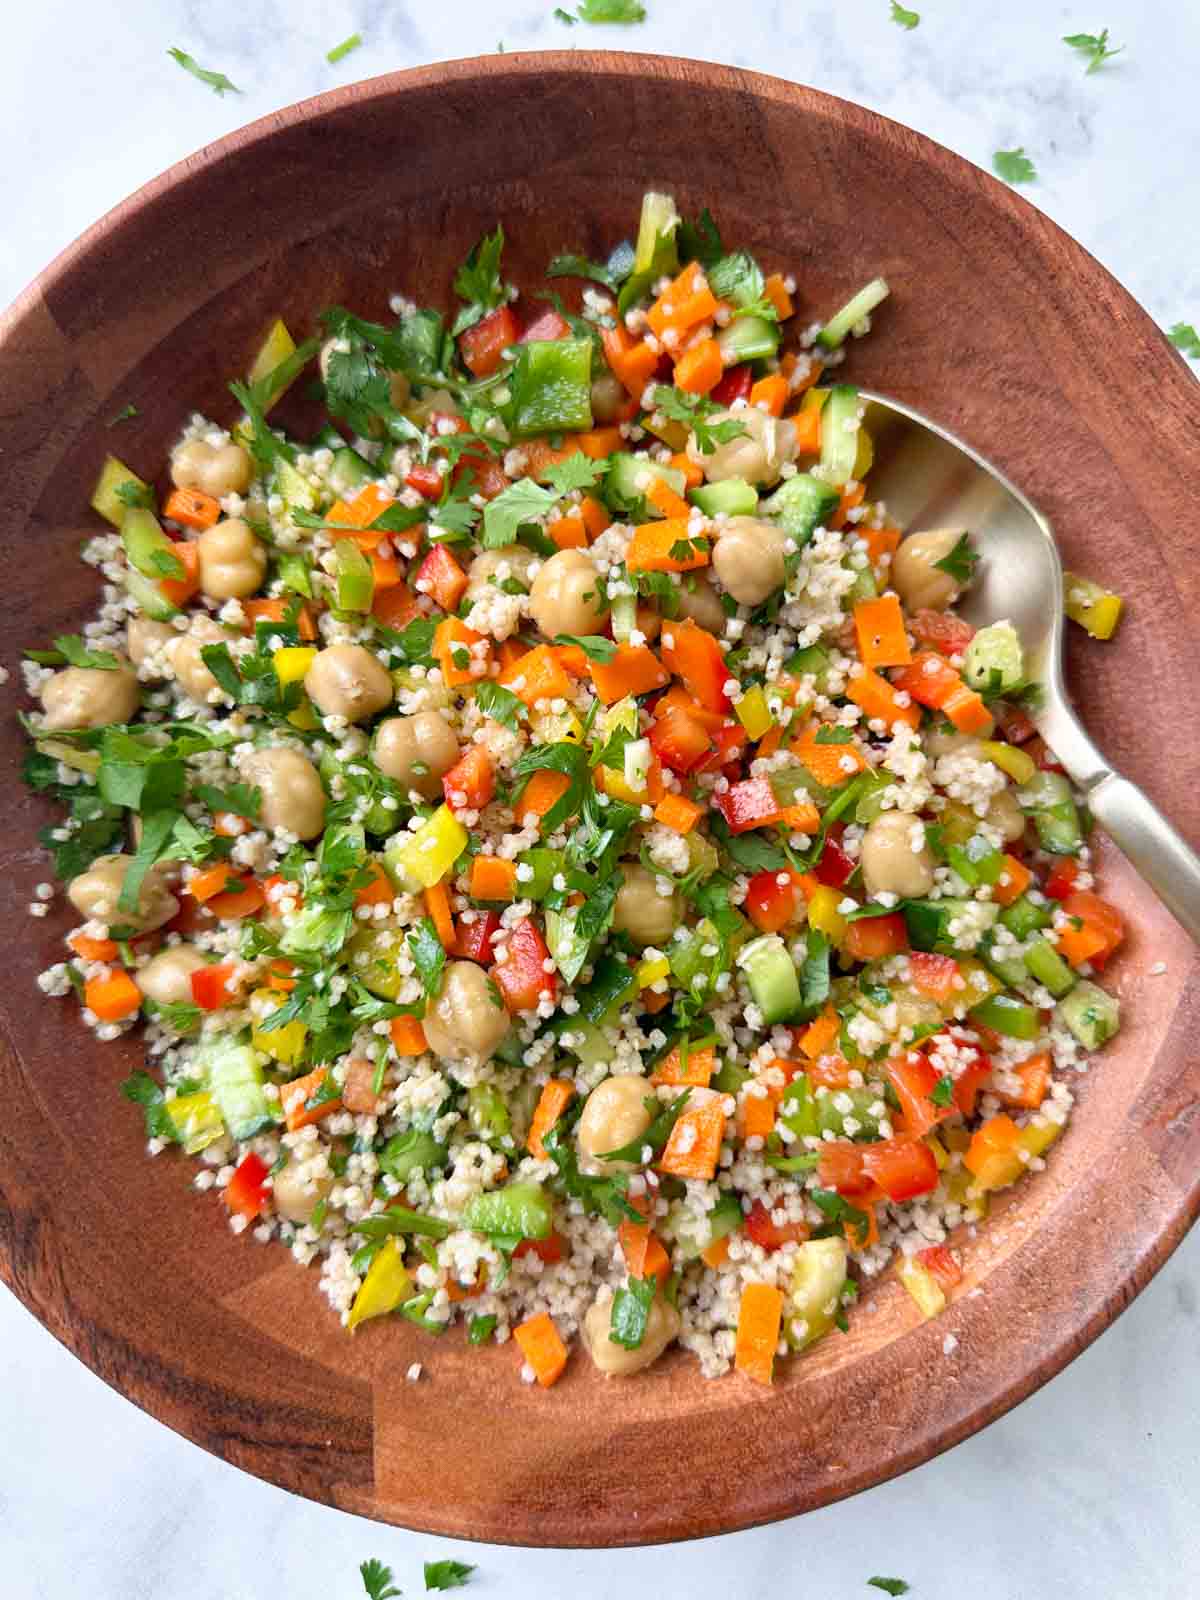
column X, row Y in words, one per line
column 1000, row 328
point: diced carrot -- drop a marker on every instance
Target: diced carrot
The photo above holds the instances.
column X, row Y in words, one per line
column 454, row 643
column 569, row 532
column 694, row 1146
column 770, row 394
column 537, row 675
column 493, row 878
column 695, row 1072
column 812, row 371
column 408, row 1036
column 828, row 763
column 699, row 369
column 821, row 1035
column 540, row 455
column 776, row 292
column 555, row 1097
column 1102, row 931
column 112, row 997
column 370, row 502
column 279, row 976
column 180, row 590
column 294, row 1097
column 967, row 711
column 385, row 570
column 760, row 1317
column 573, row 658
column 1034, row 1074
column 850, row 499
column 683, row 303
column 717, row 1253
column 509, row 653
column 693, row 475
column 210, row 881
column 678, row 814
column 661, row 495
column 541, row 793
column 600, row 442
column 635, row 669
column 456, row 1291
column 633, row 362
column 807, row 424
column 192, row 508
column 378, row 892
column 880, row 542
column 802, row 818
column 595, row 516
column 275, row 610
column 1012, row 882
column 695, row 657
column 873, row 694
column 242, row 898
column 653, row 543
column 644, row 1254
column 437, row 904
column 879, row 626
column 539, row 1342
column 756, row 1115
column 90, row 949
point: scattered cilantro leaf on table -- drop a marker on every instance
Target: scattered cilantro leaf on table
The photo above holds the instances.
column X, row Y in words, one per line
column 377, row 1580
column 217, row 81
column 126, row 414
column 1185, row 338
column 341, row 51
column 903, row 18
column 611, row 11
column 1093, row 47
column 446, row 1574
column 1014, row 166
column 889, row 1585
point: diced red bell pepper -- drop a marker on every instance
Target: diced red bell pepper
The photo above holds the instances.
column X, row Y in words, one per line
column 749, row 804
column 970, row 1081
column 426, row 480
column 546, row 325
column 929, row 679
column 1015, row 725
column 482, row 347
column 471, row 775
column 442, row 423
column 209, row 990
column 727, row 744
column 770, row 1235
column 835, row 867
column 245, row 1193
column 441, row 577
column 488, row 477
column 521, row 977
column 1061, row 881
column 932, row 975
column 941, row 630
column 735, row 385
column 473, row 940
column 914, row 1078
column 771, row 905
column 939, row 1262
column 872, row 938
column 840, row 1167
column 679, row 741
column 902, row 1168
column 549, row 1249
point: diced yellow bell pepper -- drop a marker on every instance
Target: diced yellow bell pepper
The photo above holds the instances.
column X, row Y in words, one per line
column 980, row 985
column 823, row 913
column 549, row 727
column 922, row 1285
column 864, row 455
column 292, row 663
column 961, row 1191
column 196, row 1120
column 285, row 1044
column 114, row 475
column 1019, row 766
column 1095, row 609
column 388, row 1284
column 425, row 857
column 753, row 712
column 1003, row 1168
column 649, row 972
column 304, row 717
column 373, row 960
column 939, row 1151
column 613, row 783
column 814, row 399
column 276, row 348
column 673, row 434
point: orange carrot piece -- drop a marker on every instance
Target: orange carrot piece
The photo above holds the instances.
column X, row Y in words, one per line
column 1012, row 882
column 875, row 695
column 770, row 393
column 242, row 898
column 369, row 503
column 827, row 762
column 850, row 499
column 385, row 570
column 661, row 495
column 880, row 542
column 453, row 642
column 180, row 590
column 695, row 1073
column 776, row 292
column 756, row 1116
column 437, row 904
column 275, row 610
column 635, row 669
column 802, row 818
column 569, row 532
column 760, row 1317
column 820, row 1036
column 967, row 711
column 600, row 442
column 683, row 303
column 509, row 653
column 379, row 892
column 294, row 1098
column 699, row 369
column 112, row 997
column 555, row 1097
column 882, row 639
column 633, row 362
column 693, row 475
column 1034, row 1074
column 807, row 424
column 694, row 1147
column 650, row 549
column 89, row 949
column 595, row 516
column 717, row 1253
column 643, row 1251
column 493, row 878
column 678, row 814
column 408, row 1036
column 192, row 508
column 537, row 675
column 541, row 1345
column 210, row 881
column 543, row 791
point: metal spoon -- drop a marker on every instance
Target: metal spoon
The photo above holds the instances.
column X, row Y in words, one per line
column 930, row 479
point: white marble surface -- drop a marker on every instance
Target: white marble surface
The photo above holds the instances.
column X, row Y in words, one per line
column 1087, row 1490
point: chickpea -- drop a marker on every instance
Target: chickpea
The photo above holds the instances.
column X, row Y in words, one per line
column 565, row 597
column 890, row 865
column 292, row 794
column 608, row 398
column 756, row 455
column 187, row 663
column 94, row 895
column 701, row 602
column 86, row 697
column 146, row 640
column 614, row 1115
column 467, row 1020
column 217, row 470
column 297, row 1194
column 916, row 578
column 233, row 562
column 358, row 1093
column 662, row 1328
column 749, row 559
column 167, row 977
column 416, row 751
column 640, row 911
column 1005, row 813
column 346, row 680
column 516, row 561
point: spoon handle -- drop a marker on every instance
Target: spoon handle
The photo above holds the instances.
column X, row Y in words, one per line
column 1167, row 862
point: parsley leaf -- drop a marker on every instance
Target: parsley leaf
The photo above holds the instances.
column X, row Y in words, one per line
column 942, row 1093
column 70, row 648
column 126, row 414
column 377, row 1580
column 414, row 644
column 593, row 646
column 1093, row 47
column 217, row 81
column 428, row 953
column 888, row 1585
column 599, row 1196
column 569, row 266
column 575, row 472
column 501, row 704
column 139, row 495
column 831, row 1204
column 631, row 1312
column 685, row 549
column 738, row 278
column 446, row 1574
column 265, row 445
column 145, row 1092
column 481, row 1329
column 611, row 11
column 522, row 502
column 960, row 564
column 242, row 799
column 181, row 1016
column 341, row 51
column 571, row 759
column 478, row 281
column 830, row 733
column 1184, row 337
column 1014, row 166
column 694, row 410
column 903, row 18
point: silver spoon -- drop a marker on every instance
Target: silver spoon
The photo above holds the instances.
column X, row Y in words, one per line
column 930, row 479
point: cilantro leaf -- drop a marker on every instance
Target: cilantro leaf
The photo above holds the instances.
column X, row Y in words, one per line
column 242, row 799
column 265, row 445
column 414, row 644
column 564, row 16
column 738, row 278
column 501, row 704
column 832, row 1205
column 478, row 281
column 522, row 502
column 481, row 1329
column 157, row 829
column 217, row 81
column 70, row 648
column 593, row 646
column 145, row 1092
column 903, row 18
column 341, row 51
column 960, row 563
column 139, row 495
column 942, row 1092
column 577, row 471
column 1014, row 166
column 95, row 828
column 700, row 241
column 569, row 266
column 685, row 549
column 1093, row 47
column 604, row 1197
column 126, row 414
column 428, row 953
column 830, row 733
column 611, row 11
column 815, row 982
column 446, row 1574
column 694, row 410
column 1184, row 337
column 889, row 1585
column 181, row 1016
column 377, row 1580
column 631, row 1312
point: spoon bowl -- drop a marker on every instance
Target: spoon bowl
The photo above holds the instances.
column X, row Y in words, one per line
column 930, row 479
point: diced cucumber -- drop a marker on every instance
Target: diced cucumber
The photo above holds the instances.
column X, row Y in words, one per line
column 294, row 486
column 839, row 434
column 518, row 1211
column 733, row 497
column 1025, row 916
column 976, row 860
column 353, row 576
column 798, row 1108
column 114, row 475
column 864, row 586
column 235, row 1082
column 800, row 505
column 870, row 805
column 147, row 548
column 831, row 1118
column 590, row 1044
column 1004, row 1013
column 545, row 863
column 148, row 597
column 852, row 313
column 630, row 476
column 811, row 662
column 349, row 470
column 487, row 1111
column 691, row 1236
column 748, row 339
column 994, row 659
column 624, row 616
column 818, row 1277
column 405, row 1152
column 1049, row 969
column 1092, row 1014
column 771, row 974
column 730, row 1078
column 1011, row 970
column 1049, row 801
column 655, row 252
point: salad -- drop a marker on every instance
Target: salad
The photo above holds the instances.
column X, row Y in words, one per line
column 575, row 873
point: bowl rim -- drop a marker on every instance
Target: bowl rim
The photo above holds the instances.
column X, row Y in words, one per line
column 1176, row 1214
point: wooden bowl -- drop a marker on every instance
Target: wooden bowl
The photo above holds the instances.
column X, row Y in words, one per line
column 998, row 325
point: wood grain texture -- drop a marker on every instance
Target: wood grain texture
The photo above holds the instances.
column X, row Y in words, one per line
column 1000, row 327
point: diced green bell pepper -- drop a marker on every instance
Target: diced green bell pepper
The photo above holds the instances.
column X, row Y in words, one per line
column 353, row 578
column 1004, row 1013
column 551, row 385
column 518, row 1211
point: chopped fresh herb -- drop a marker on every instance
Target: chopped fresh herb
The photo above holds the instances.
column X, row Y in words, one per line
column 216, row 81
column 631, row 1312
column 520, row 504
column 942, row 1093
column 611, row 11
column 836, row 1209
column 502, row 705
column 593, row 646
column 903, row 18
column 341, row 51
column 1093, row 47
column 126, row 414
column 242, row 799
column 180, row 1016
column 139, row 495
column 694, row 411
column 413, row 643
column 604, row 1197
column 830, row 733
column 700, row 240
column 69, row 647
column 656, row 1135
column 428, row 953
column 1184, row 337
column 377, row 1581
column 685, row 549
column 1014, row 166
column 569, row 266
column 889, row 1585
column 478, row 282
column 446, row 1574
column 961, row 562
column 577, row 471
column 481, row 1329
column 570, row 759
column 565, row 16
column 143, row 1091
